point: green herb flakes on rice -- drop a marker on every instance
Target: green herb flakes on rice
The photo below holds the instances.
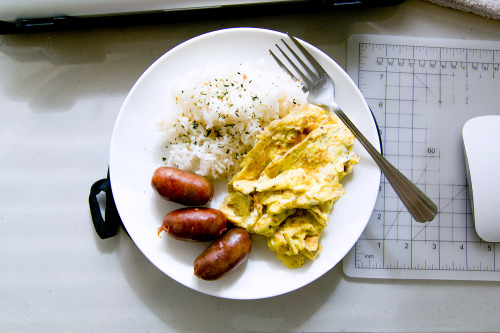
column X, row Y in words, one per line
column 219, row 114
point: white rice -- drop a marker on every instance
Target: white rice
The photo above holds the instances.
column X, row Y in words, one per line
column 219, row 114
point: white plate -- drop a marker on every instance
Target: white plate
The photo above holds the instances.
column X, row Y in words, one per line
column 136, row 153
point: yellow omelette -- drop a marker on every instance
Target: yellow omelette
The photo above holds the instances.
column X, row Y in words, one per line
column 287, row 184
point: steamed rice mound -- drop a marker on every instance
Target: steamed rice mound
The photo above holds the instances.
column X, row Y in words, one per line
column 219, row 114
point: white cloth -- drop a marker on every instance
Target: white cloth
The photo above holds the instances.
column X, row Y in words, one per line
column 486, row 8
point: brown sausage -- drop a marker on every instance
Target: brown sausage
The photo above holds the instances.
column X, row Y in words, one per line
column 223, row 256
column 182, row 186
column 194, row 224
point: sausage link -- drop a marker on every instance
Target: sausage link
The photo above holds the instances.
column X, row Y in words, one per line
column 223, row 256
column 194, row 224
column 182, row 186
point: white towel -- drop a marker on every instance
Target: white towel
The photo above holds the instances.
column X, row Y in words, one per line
column 486, row 8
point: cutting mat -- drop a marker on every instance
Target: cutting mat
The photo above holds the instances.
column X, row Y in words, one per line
column 421, row 92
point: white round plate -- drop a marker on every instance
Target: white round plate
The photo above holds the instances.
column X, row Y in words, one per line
column 136, row 151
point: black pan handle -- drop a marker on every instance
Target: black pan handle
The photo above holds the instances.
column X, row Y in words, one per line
column 109, row 225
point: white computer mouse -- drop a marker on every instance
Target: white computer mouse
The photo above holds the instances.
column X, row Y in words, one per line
column 481, row 136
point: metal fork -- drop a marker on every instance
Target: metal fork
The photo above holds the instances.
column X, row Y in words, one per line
column 321, row 90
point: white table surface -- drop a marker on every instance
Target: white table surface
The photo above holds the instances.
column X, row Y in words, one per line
column 59, row 96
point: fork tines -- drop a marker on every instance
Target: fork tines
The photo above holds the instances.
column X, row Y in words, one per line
column 307, row 76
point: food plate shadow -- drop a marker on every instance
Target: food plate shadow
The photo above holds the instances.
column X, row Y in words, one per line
column 170, row 301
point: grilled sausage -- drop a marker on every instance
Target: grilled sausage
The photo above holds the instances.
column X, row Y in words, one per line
column 223, row 256
column 182, row 186
column 194, row 224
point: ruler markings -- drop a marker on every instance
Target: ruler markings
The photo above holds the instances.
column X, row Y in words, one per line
column 417, row 92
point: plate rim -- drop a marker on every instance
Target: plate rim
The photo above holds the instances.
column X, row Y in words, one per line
column 186, row 44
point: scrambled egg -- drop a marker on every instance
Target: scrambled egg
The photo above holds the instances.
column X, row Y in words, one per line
column 288, row 183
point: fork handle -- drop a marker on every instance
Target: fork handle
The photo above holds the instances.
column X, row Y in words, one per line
column 419, row 205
